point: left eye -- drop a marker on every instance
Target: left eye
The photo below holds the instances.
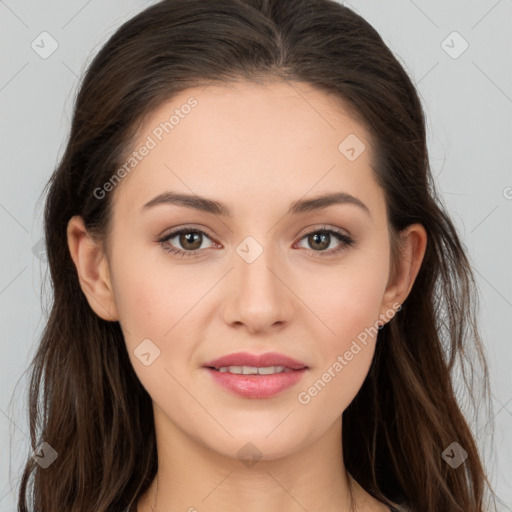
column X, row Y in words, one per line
column 324, row 237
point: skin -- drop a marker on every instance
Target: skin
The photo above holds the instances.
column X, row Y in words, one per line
column 256, row 148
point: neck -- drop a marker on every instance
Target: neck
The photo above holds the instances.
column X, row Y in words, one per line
column 194, row 477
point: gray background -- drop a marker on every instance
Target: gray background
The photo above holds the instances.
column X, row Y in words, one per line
column 468, row 101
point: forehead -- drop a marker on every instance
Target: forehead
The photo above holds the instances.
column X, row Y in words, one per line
column 244, row 139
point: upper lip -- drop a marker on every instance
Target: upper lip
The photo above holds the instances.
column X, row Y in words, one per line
column 256, row 360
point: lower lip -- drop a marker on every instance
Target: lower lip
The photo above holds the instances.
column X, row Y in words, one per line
column 257, row 386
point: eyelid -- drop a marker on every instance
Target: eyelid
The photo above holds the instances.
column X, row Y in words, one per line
column 307, row 231
column 314, row 228
column 185, row 229
column 190, row 227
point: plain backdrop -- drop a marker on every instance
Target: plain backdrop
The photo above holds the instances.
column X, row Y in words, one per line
column 458, row 54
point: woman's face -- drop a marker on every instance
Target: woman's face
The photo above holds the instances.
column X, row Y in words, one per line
column 261, row 279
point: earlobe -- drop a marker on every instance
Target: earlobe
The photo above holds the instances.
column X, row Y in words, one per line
column 92, row 268
column 414, row 243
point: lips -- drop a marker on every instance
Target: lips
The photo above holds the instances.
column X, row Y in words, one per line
column 256, row 386
column 256, row 360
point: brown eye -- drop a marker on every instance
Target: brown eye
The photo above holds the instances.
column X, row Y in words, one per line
column 190, row 240
column 320, row 240
column 185, row 242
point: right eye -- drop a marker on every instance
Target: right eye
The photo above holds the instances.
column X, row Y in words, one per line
column 189, row 238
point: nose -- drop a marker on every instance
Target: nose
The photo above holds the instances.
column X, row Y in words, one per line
column 257, row 295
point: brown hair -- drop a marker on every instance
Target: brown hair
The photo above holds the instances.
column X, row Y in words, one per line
column 85, row 398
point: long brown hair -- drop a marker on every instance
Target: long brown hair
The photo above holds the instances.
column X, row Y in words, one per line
column 85, row 399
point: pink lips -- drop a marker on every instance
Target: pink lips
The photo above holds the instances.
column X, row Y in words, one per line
column 256, row 386
column 258, row 360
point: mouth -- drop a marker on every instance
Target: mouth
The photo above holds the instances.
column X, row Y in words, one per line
column 254, row 370
column 255, row 382
column 256, row 375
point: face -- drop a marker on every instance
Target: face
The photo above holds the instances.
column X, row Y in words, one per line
column 264, row 278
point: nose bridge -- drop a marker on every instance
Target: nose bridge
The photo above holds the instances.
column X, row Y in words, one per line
column 258, row 297
column 255, row 266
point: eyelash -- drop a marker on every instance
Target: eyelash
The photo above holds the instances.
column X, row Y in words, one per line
column 346, row 241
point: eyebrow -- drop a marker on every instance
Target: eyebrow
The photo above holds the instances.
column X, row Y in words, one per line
column 217, row 208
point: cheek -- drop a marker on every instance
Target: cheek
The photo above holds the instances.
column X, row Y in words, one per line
column 345, row 360
column 347, row 298
column 139, row 303
column 147, row 295
column 349, row 303
column 343, row 378
column 157, row 305
column 152, row 325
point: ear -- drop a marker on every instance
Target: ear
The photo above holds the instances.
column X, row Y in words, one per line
column 92, row 267
column 411, row 252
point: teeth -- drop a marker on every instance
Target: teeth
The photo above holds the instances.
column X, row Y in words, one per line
column 253, row 370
